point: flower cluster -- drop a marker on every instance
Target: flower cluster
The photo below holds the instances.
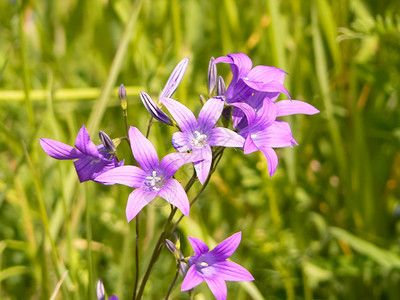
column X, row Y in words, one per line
column 249, row 102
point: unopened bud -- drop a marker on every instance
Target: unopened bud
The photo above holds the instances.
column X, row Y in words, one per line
column 175, row 78
column 221, row 86
column 122, row 96
column 202, row 99
column 211, row 76
column 170, row 246
column 154, row 110
column 107, row 142
column 101, row 295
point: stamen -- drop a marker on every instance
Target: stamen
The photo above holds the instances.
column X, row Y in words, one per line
column 204, row 264
column 199, row 140
column 253, row 136
column 154, row 182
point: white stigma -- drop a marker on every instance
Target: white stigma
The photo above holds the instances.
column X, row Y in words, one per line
column 204, row 264
column 199, row 140
column 253, row 136
column 155, row 182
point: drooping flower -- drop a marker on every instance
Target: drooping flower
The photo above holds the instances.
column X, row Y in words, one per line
column 213, row 267
column 152, row 179
column 263, row 132
column 170, row 87
column 91, row 160
column 199, row 135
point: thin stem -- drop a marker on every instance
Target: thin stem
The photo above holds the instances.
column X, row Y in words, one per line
column 148, row 127
column 89, row 245
column 136, row 258
column 125, row 111
column 178, row 266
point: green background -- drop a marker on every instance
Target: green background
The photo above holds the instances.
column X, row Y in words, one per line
column 325, row 226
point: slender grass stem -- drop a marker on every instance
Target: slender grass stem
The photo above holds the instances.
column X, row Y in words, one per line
column 89, row 246
column 178, row 266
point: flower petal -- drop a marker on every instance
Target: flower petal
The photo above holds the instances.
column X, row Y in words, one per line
column 127, row 175
column 225, row 137
column 59, row 150
column 226, row 248
column 138, row 199
column 199, row 247
column 154, row 110
column 272, row 86
column 182, row 115
column 218, row 287
column 89, row 167
column 84, row 144
column 211, row 112
column 272, row 159
column 175, row 78
column 174, row 193
column 266, row 115
column 290, row 107
column 249, row 146
column 143, row 150
column 191, row 280
column 203, row 166
column 231, row 271
column 277, row 135
column 266, row 74
column 173, row 161
column 247, row 110
column 180, row 142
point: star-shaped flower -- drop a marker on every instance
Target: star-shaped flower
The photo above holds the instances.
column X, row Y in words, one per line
column 152, row 179
column 92, row 160
column 199, row 135
column 213, row 267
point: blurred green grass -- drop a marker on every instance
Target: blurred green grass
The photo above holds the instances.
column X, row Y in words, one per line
column 326, row 226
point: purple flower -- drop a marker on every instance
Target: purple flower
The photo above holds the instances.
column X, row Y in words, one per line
column 199, row 135
column 92, row 160
column 152, row 179
column 213, row 267
column 247, row 80
column 263, row 132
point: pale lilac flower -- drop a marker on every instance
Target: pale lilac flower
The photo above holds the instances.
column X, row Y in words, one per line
column 263, row 132
column 152, row 179
column 213, row 267
column 92, row 160
column 199, row 135
column 101, row 294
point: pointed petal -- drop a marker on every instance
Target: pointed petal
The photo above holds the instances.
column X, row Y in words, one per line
column 230, row 271
column 242, row 62
column 211, row 112
column 191, row 280
column 143, row 150
column 203, row 166
column 174, row 193
column 199, row 247
column 59, row 150
column 181, row 142
column 272, row 159
column 138, row 199
column 272, row 86
column 290, row 107
column 175, row 78
column 173, row 161
column 127, row 175
column 249, row 146
column 225, row 137
column 266, row 115
column 89, row 167
column 238, row 118
column 266, row 74
column 218, row 287
column 84, row 144
column 227, row 247
column 277, row 135
column 182, row 115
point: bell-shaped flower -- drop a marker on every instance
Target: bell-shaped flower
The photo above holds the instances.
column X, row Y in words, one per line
column 199, row 135
column 91, row 160
column 152, row 179
column 213, row 266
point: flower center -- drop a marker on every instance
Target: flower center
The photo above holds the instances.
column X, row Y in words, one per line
column 154, row 182
column 199, row 140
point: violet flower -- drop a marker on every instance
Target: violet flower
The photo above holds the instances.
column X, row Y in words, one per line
column 199, row 135
column 213, row 267
column 263, row 132
column 152, row 179
column 92, row 160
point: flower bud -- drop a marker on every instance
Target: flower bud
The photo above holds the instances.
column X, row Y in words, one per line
column 175, row 79
column 101, row 294
column 154, row 110
column 170, row 246
column 211, row 76
column 108, row 144
column 122, row 96
column 221, row 86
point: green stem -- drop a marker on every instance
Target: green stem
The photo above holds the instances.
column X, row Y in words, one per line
column 178, row 266
column 89, row 246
